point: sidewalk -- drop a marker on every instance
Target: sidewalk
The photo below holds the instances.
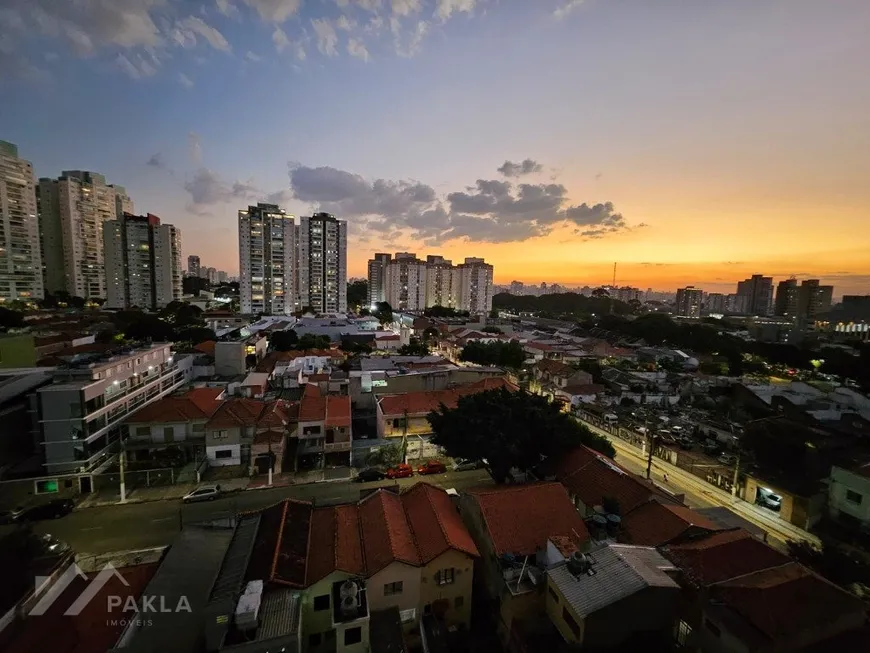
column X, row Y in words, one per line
column 229, row 485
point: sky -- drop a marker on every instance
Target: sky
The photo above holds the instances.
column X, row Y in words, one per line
column 691, row 141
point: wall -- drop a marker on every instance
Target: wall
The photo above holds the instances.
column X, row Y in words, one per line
column 800, row 511
column 234, row 459
column 417, row 425
column 555, row 602
column 409, row 599
column 431, row 591
column 843, row 480
column 229, row 358
column 320, row 621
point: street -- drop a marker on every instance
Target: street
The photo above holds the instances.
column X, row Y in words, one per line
column 144, row 525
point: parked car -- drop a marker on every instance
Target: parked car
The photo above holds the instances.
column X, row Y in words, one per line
column 204, row 493
column 402, row 470
column 369, row 475
column 54, row 509
column 12, row 515
column 461, row 465
column 432, row 467
column 768, row 499
column 727, row 459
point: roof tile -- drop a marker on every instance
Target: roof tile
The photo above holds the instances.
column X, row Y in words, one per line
column 420, row 403
column 436, row 523
column 199, row 403
column 654, row 523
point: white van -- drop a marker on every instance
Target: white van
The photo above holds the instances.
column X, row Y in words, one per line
column 610, row 418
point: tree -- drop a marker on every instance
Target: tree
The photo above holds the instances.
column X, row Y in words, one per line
column 510, row 430
column 388, row 455
column 355, row 348
column 357, row 294
column 311, row 341
column 384, row 312
column 136, row 325
column 283, row 340
column 492, row 329
column 182, row 314
column 195, row 334
column 10, row 319
column 443, row 311
column 600, row 292
column 503, row 354
column 415, row 348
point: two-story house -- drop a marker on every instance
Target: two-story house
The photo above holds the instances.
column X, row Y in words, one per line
column 552, row 374
column 174, row 423
column 408, row 552
column 324, row 430
column 849, row 496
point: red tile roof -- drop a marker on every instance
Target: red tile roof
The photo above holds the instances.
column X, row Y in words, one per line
column 390, row 336
column 722, row 556
column 338, row 411
column 784, row 601
column 196, row 404
column 592, row 476
column 520, row 519
column 554, row 367
column 654, row 523
column 312, row 408
column 206, row 347
column 302, row 545
column 236, row 412
column 267, row 437
column 420, row 403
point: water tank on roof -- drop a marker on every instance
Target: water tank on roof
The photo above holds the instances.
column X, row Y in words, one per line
column 348, row 589
column 578, row 563
column 613, row 523
column 349, row 605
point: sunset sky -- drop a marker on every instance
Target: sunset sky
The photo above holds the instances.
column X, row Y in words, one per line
column 693, row 141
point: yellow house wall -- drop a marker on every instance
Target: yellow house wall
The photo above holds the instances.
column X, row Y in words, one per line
column 431, row 591
column 416, row 426
column 395, row 572
column 320, row 621
column 554, row 607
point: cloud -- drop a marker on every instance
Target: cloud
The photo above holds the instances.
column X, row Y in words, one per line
column 372, row 6
column 156, row 161
column 275, row 11
column 446, row 8
column 356, row 48
column 327, row 39
column 490, row 211
column 227, row 8
column 414, row 39
column 345, row 24
column 185, row 81
column 187, row 31
column 194, row 147
column 566, row 9
column 279, row 38
column 207, row 188
column 527, row 167
column 406, row 7
column 135, row 67
column 250, row 56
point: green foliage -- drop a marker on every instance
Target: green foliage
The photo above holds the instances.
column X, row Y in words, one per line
column 137, row 325
column 10, row 319
column 182, row 314
column 355, row 348
column 310, row 341
column 357, row 294
column 384, row 312
column 195, row 334
column 503, row 354
column 193, row 285
column 283, row 340
column 560, row 304
column 444, row 311
column 386, row 456
column 510, row 430
column 415, row 348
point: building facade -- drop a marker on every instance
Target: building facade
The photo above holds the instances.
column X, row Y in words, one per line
column 689, row 302
column 20, row 248
column 813, row 299
column 443, row 282
column 785, row 304
column 758, row 293
column 193, row 265
column 143, row 262
column 715, row 302
column 377, row 279
column 72, row 211
column 475, row 291
column 267, row 247
column 322, row 263
column 406, row 282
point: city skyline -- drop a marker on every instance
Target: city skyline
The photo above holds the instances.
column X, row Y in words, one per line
column 687, row 145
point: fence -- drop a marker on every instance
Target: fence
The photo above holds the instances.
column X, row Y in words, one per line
column 698, row 465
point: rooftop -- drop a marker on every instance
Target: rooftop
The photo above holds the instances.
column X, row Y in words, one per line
column 616, row 572
column 420, row 403
column 521, row 518
column 654, row 523
column 198, row 403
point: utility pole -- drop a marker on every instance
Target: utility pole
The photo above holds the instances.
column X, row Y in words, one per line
column 123, row 464
column 405, row 437
column 736, row 475
column 651, row 441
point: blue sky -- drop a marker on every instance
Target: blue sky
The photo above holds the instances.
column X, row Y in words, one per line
column 674, row 136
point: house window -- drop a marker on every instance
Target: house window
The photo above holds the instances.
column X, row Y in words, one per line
column 682, row 633
column 168, row 433
column 223, row 453
column 352, row 636
column 220, row 435
column 572, row 624
column 459, row 601
column 713, row 628
column 314, row 640
column 552, row 593
column 445, row 576
column 143, row 431
column 321, row 602
column 853, row 497
column 427, row 609
column 392, row 588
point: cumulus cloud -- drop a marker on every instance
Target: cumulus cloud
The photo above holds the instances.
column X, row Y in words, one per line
column 406, row 7
column 567, row 8
column 345, row 24
column 226, row 7
column 527, row 167
column 185, row 81
column 446, row 8
column 207, row 188
column 251, row 56
column 135, row 67
column 327, row 39
column 357, row 48
column 275, row 11
column 188, row 31
column 489, row 211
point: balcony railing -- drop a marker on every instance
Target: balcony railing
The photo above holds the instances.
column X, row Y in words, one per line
column 337, row 446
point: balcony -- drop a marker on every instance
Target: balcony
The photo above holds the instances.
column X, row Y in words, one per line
column 337, row 446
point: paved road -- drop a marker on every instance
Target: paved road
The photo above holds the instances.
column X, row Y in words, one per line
column 143, row 525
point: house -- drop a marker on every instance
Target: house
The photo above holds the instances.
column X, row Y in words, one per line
column 742, row 595
column 254, row 385
column 176, row 423
column 654, row 523
column 404, row 415
column 577, row 395
column 615, row 595
column 231, row 355
column 239, row 424
column 409, row 552
column 324, row 431
column 552, row 374
column 849, row 496
column 519, row 530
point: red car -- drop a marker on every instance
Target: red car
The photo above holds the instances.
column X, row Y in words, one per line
column 402, row 470
column 432, row 467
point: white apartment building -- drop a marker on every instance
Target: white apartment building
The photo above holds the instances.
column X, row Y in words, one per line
column 20, row 255
column 143, row 262
column 406, row 282
column 377, row 279
column 72, row 211
column 267, row 250
column 475, row 290
column 80, row 414
column 443, row 281
column 322, row 263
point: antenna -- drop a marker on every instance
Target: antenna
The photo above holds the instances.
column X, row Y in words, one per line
column 614, row 274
